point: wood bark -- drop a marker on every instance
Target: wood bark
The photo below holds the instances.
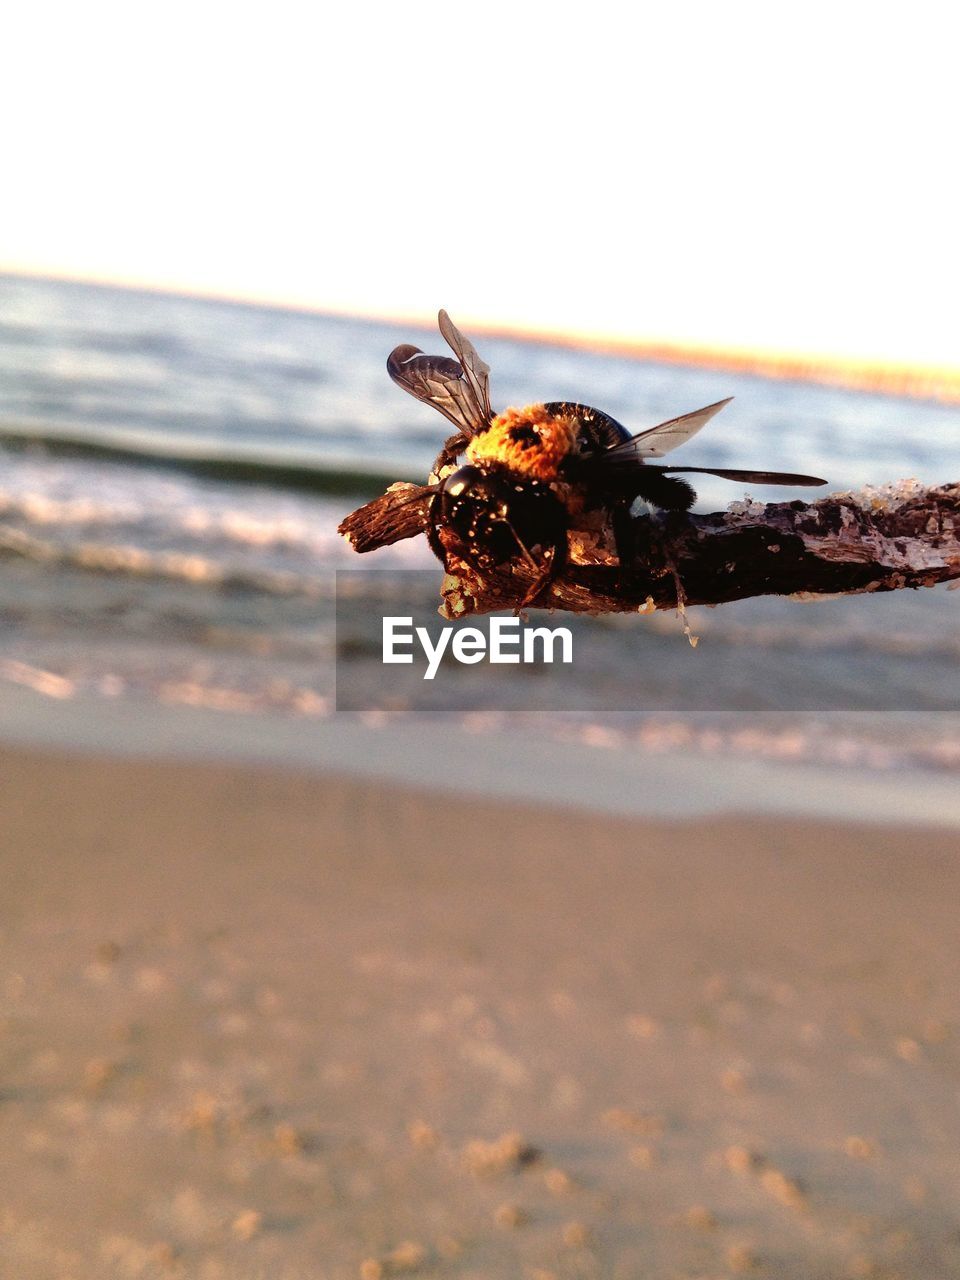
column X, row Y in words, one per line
column 880, row 539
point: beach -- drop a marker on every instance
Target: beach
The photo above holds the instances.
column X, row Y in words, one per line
column 645, row 972
column 337, row 940
column 265, row 1020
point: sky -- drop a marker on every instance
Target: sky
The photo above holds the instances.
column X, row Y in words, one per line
column 774, row 177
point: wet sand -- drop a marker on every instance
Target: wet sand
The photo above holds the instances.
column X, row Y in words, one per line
column 260, row 1023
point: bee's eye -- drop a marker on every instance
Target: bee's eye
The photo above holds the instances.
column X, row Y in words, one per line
column 460, row 481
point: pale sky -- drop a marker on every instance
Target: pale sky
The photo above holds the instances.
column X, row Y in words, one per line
column 781, row 176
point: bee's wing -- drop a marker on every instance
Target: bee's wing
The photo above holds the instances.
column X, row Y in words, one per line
column 436, row 380
column 402, row 512
column 657, row 441
column 621, row 463
column 475, row 370
column 752, row 477
column 459, row 390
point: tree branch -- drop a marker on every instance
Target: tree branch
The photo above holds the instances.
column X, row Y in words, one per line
column 881, row 539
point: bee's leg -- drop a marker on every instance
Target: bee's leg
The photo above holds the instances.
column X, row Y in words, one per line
column 673, row 523
column 436, row 546
column 433, row 537
column 674, row 498
column 451, row 451
column 550, row 570
column 624, row 534
column 670, row 499
column 667, row 493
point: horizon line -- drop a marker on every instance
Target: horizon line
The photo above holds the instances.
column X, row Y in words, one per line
column 909, row 379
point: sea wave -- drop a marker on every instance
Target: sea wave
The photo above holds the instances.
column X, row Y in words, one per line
column 172, row 473
column 136, row 562
column 188, row 456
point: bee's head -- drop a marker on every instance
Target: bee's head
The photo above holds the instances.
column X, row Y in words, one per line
column 466, row 483
column 495, row 513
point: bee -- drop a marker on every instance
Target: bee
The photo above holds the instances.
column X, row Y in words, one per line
column 508, row 487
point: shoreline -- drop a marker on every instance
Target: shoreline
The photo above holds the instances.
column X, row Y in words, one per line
column 443, row 757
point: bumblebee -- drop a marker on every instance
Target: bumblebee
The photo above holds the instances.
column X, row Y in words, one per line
column 509, row 486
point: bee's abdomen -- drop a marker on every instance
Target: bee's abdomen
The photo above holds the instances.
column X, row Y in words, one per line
column 597, row 430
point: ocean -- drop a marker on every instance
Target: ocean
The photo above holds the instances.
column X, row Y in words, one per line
column 172, row 472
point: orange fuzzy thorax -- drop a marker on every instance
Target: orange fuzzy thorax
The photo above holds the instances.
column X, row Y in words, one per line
column 530, row 442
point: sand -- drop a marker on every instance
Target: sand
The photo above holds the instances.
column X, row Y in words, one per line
column 260, row 1023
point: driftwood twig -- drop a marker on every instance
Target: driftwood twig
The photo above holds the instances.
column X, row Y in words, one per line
column 880, row 539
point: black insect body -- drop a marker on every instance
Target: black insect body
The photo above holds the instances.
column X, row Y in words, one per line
column 496, row 519
column 529, row 473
